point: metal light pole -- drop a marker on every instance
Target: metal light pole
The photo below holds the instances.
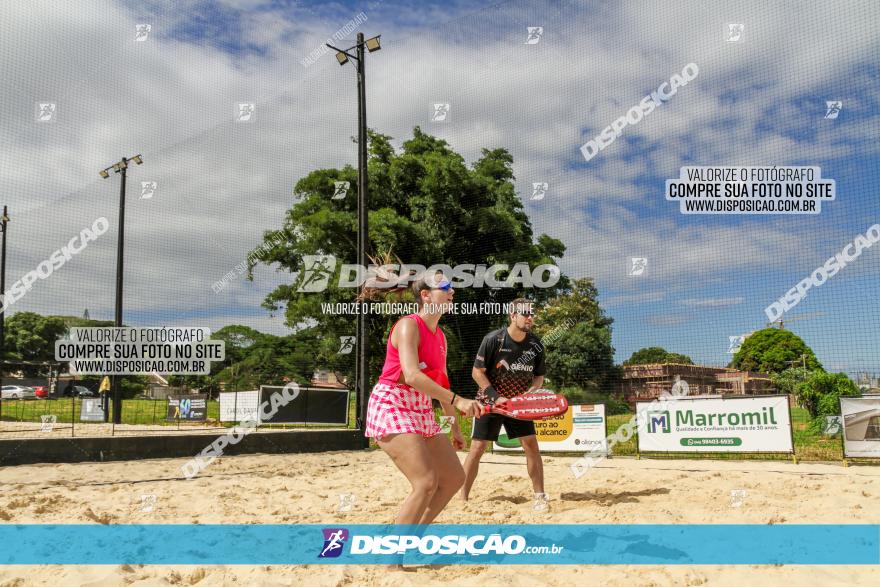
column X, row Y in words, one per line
column 363, row 347
column 3, row 226
column 116, row 380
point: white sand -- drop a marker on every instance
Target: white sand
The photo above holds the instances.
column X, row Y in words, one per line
column 305, row 488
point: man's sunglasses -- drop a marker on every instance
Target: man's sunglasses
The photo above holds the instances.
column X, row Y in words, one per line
column 527, row 313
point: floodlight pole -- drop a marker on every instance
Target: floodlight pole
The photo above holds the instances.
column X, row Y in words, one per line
column 116, row 380
column 363, row 222
column 120, row 248
column 3, row 226
column 363, row 207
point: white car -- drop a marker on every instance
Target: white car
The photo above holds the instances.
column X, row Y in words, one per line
column 17, row 392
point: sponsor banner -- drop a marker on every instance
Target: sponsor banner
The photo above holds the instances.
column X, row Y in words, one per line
column 550, row 544
column 192, row 408
column 310, row 406
column 240, row 406
column 861, row 426
column 733, row 424
column 580, row 429
column 91, row 410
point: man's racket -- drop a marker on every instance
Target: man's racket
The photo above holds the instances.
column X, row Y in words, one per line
column 530, row 406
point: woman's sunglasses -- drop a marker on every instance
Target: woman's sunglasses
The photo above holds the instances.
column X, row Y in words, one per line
column 443, row 286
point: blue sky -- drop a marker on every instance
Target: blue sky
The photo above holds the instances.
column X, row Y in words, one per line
column 759, row 101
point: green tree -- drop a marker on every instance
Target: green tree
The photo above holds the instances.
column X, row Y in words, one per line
column 787, row 381
column 821, row 392
column 254, row 358
column 656, row 354
column 576, row 334
column 31, row 337
column 272, row 360
column 773, row 350
column 428, row 207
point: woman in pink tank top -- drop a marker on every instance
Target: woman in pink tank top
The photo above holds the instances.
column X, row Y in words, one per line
column 399, row 413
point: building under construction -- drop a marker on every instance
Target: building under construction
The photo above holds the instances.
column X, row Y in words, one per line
column 647, row 382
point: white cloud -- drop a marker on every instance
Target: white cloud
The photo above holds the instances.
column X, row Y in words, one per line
column 713, row 302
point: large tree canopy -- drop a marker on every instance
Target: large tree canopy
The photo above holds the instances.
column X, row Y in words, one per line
column 31, row 337
column 656, row 354
column 254, row 358
column 773, row 350
column 428, row 207
column 576, row 334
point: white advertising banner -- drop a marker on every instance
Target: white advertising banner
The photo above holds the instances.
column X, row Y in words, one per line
column 238, row 406
column 733, row 424
column 579, row 429
column 861, row 426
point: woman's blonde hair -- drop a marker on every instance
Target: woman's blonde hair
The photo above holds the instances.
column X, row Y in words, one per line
column 387, row 284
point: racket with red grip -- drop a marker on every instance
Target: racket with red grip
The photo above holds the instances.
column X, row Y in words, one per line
column 530, row 406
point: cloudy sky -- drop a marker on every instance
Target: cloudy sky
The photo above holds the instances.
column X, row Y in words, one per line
column 220, row 183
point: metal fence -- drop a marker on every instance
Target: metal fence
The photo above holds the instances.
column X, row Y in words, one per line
column 64, row 417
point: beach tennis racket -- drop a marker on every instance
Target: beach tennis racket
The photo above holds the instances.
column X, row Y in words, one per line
column 530, row 406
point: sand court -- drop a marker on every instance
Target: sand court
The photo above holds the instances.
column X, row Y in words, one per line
column 363, row 487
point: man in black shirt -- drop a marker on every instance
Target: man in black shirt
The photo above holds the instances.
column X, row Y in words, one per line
column 510, row 362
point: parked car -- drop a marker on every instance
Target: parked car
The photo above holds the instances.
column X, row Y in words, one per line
column 78, row 391
column 84, row 391
column 17, row 392
column 41, row 391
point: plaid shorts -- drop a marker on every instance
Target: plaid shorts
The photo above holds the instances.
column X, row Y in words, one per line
column 400, row 409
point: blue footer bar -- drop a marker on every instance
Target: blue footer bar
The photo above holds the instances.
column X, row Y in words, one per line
column 638, row 544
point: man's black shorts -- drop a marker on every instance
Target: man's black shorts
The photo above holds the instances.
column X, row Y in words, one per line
column 487, row 427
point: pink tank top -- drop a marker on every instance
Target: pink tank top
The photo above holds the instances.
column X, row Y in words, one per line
column 432, row 353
